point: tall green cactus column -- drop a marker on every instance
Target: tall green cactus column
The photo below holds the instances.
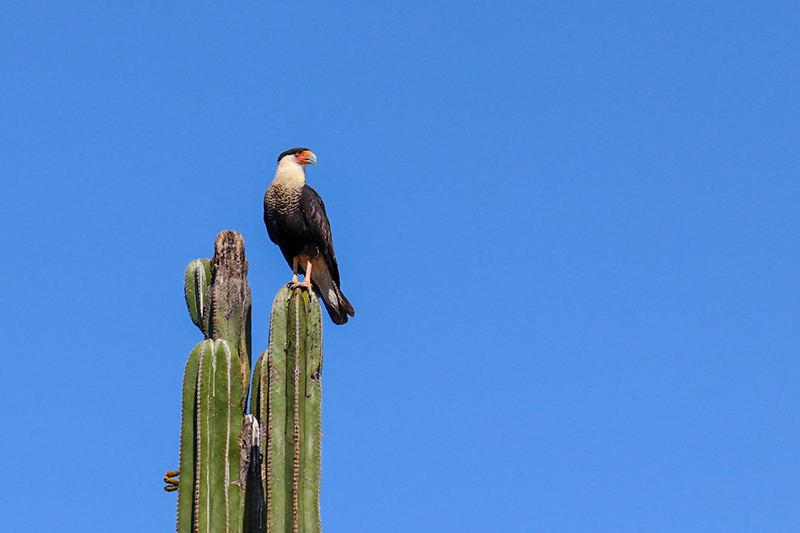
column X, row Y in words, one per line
column 287, row 399
column 214, row 456
column 209, row 496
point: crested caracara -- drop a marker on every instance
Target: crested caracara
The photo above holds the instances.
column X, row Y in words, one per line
column 296, row 221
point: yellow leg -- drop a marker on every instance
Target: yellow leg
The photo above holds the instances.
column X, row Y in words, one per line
column 307, row 280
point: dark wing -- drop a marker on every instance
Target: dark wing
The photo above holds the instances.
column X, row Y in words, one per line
column 319, row 228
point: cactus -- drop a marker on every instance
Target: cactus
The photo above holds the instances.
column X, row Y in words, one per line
column 218, row 297
column 197, row 281
column 226, row 485
column 229, row 301
column 214, row 456
column 209, row 496
column 287, row 395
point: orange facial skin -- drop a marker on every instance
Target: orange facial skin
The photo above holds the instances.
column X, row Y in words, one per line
column 306, row 157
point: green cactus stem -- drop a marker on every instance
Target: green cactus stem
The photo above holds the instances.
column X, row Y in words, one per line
column 197, row 281
column 209, row 495
column 287, row 394
column 215, row 457
column 218, row 297
column 260, row 472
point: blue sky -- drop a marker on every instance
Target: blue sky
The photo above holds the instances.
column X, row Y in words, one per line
column 569, row 230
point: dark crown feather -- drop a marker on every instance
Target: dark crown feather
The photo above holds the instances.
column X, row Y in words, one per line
column 291, row 151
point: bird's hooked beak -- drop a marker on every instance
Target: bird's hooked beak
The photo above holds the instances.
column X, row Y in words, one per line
column 307, row 157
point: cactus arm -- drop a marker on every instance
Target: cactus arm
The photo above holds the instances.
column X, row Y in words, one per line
column 197, row 280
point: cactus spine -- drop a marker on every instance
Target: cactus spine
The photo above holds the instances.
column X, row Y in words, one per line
column 287, row 401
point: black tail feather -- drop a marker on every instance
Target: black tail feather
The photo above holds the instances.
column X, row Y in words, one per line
column 338, row 308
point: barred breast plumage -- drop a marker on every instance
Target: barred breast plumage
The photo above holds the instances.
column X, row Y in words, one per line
column 281, row 199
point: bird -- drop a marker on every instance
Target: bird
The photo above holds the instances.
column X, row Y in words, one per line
column 297, row 222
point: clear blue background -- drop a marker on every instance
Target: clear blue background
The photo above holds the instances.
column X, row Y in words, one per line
column 569, row 229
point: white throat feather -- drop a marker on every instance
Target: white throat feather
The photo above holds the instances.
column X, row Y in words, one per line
column 290, row 173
